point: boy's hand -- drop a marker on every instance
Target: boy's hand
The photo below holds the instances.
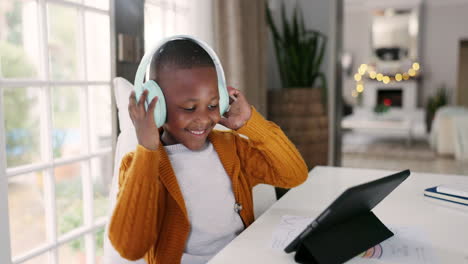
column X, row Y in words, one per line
column 146, row 131
column 239, row 111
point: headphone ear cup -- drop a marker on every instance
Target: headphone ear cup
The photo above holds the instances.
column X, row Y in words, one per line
column 160, row 109
column 223, row 97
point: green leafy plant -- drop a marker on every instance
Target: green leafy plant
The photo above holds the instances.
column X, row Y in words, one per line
column 299, row 51
column 381, row 108
column 439, row 99
column 436, row 101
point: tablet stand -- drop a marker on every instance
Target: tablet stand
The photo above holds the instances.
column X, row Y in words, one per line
column 342, row 241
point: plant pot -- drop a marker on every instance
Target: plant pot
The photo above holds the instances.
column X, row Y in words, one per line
column 301, row 115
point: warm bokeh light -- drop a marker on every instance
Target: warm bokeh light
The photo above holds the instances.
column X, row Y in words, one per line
column 379, row 77
column 370, row 70
column 354, row 93
column 357, row 77
column 362, row 69
column 360, row 88
column 398, row 77
column 386, row 79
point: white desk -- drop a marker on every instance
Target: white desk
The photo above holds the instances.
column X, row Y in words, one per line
column 445, row 224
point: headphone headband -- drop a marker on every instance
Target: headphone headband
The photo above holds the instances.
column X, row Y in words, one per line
column 146, row 60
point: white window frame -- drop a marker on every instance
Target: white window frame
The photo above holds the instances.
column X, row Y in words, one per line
column 53, row 241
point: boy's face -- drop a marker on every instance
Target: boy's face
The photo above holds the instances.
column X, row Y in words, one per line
column 192, row 102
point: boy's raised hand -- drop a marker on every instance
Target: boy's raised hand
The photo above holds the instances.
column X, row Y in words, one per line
column 146, row 130
column 239, row 111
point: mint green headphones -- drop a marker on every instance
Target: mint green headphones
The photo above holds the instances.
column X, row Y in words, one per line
column 154, row 89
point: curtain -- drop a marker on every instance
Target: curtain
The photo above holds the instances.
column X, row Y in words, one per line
column 240, row 33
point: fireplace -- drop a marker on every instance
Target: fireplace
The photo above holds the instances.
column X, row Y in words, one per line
column 390, row 97
column 399, row 95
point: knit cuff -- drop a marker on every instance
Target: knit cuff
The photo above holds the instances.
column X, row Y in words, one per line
column 256, row 127
column 146, row 156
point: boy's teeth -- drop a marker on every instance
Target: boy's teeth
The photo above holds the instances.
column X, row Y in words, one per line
column 197, row 132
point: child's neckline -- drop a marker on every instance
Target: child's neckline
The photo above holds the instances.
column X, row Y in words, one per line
column 180, row 148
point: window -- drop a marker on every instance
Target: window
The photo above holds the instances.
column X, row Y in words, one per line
column 55, row 129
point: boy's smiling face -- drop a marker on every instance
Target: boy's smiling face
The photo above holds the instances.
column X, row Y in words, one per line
column 192, row 102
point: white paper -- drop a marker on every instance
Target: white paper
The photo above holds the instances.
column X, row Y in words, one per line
column 408, row 245
column 288, row 228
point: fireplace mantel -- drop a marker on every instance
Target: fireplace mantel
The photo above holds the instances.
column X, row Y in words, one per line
column 408, row 88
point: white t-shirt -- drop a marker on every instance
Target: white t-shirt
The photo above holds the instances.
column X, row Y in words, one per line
column 209, row 199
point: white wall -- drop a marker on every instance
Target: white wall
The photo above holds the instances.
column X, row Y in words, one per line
column 444, row 24
column 356, row 40
column 316, row 16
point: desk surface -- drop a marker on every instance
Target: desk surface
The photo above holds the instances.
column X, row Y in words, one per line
column 445, row 224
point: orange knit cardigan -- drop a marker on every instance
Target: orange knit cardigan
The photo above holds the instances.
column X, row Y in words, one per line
column 150, row 219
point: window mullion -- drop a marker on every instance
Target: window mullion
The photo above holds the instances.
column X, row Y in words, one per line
column 77, row 233
column 113, row 75
column 40, row 83
column 5, row 247
column 47, row 138
column 88, row 206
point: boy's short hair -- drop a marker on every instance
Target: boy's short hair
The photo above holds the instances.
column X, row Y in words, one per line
column 179, row 54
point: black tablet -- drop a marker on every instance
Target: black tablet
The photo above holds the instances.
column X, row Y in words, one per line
column 352, row 202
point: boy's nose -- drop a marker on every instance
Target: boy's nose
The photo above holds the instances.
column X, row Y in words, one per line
column 203, row 118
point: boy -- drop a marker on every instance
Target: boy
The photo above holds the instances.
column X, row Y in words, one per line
column 186, row 191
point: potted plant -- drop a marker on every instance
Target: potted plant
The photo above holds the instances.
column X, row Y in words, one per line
column 300, row 107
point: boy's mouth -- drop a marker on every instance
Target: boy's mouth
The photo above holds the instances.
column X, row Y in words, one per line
column 197, row 132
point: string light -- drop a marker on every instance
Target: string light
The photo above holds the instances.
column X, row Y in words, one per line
column 379, row 77
column 357, row 77
column 363, row 68
column 398, row 77
column 360, row 88
column 386, row 79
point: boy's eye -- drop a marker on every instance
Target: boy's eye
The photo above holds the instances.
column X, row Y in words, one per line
column 189, row 109
column 211, row 107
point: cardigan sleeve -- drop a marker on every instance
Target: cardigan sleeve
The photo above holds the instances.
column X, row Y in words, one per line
column 133, row 225
column 268, row 156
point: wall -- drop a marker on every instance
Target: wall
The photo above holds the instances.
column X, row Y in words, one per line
column 443, row 25
column 446, row 23
column 356, row 41
column 316, row 16
column 462, row 94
